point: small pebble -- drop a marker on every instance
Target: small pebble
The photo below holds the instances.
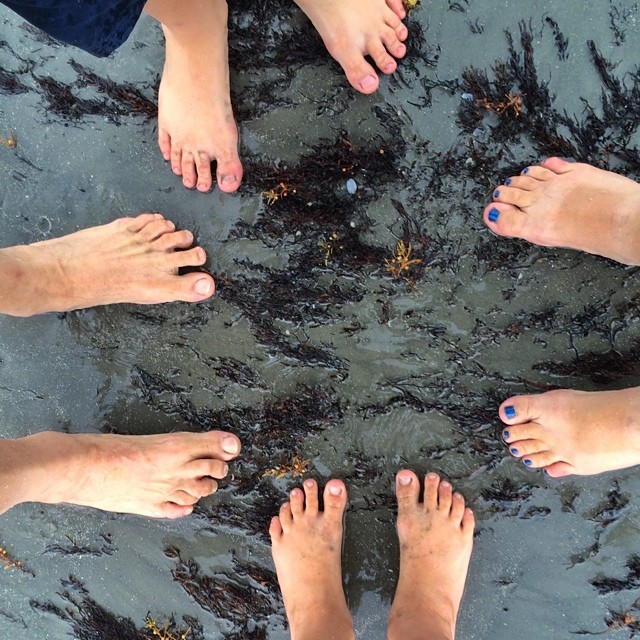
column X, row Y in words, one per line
column 352, row 187
column 467, row 96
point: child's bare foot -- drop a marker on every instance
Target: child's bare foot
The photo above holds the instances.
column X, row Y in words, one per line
column 307, row 547
column 160, row 476
column 128, row 260
column 571, row 205
column 353, row 29
column 577, row 432
column 436, row 537
column 195, row 120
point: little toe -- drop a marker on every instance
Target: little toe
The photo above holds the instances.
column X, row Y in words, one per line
column 468, row 520
column 431, row 483
column 173, row 511
column 296, row 498
column 556, row 165
column 176, row 160
column 335, row 498
column 164, row 142
column 275, row 529
column 311, row 496
column 203, row 169
column 397, row 6
column 407, row 490
column 445, row 496
column 457, row 507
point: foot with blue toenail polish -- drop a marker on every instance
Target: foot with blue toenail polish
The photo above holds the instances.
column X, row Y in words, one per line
column 571, row 205
column 574, row 432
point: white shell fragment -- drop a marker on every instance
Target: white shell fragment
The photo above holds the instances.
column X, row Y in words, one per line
column 352, row 186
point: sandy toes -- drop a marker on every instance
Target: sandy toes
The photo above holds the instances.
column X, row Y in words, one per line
column 563, row 204
column 577, row 432
column 353, row 29
column 307, row 546
column 195, row 119
column 129, row 260
column 436, row 538
column 161, row 476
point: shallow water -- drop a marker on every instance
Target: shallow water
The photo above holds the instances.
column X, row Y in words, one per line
column 393, row 373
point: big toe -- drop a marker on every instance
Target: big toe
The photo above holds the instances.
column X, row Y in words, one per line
column 193, row 287
column 335, row 499
column 229, row 173
column 407, row 490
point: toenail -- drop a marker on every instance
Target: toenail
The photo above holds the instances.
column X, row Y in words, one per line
column 505, row 434
column 494, row 214
column 510, row 412
column 203, row 287
column 230, row 444
column 528, row 462
column 368, row 82
column 231, row 179
column 404, row 480
column 507, row 182
column 445, row 484
column 514, row 451
column 432, row 476
column 496, row 194
column 308, row 483
column 525, row 170
column 335, row 490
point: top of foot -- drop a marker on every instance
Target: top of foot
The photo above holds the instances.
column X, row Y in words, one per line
column 564, row 204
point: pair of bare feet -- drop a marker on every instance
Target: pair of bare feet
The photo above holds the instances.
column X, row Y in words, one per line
column 435, row 532
column 196, row 126
column 578, row 206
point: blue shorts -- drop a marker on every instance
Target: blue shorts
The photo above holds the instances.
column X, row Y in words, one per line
column 97, row 26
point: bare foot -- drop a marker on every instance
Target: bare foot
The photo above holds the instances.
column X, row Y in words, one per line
column 352, row 29
column 160, row 476
column 436, row 537
column 195, row 120
column 307, row 546
column 577, row 432
column 129, row 260
column 564, row 204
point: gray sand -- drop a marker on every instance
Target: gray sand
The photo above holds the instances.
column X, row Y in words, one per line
column 534, row 554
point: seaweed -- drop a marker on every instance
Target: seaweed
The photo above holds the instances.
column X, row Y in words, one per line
column 604, row 585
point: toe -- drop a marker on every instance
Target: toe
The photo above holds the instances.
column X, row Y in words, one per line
column 397, row 6
column 184, row 498
column 178, row 240
column 457, row 507
column 525, row 448
column 275, row 529
column 139, row 222
column 359, row 72
column 431, row 482
column 173, row 511
column 155, row 228
column 559, row 469
column 468, row 520
column 220, row 445
column 193, row 287
column 335, row 498
column 381, row 57
column 510, row 195
column 195, row 257
column 296, row 498
column 311, row 496
column 526, row 183
column 203, row 169
column 519, row 409
column 285, row 516
column 538, row 460
column 556, row 165
column 520, row 432
column 208, row 468
column 538, row 173
column 176, row 160
column 189, row 176
column 407, row 490
column 445, row 496
column 393, row 45
column 505, row 220
column 164, row 142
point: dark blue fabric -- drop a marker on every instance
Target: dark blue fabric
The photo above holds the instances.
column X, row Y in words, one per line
column 97, row 26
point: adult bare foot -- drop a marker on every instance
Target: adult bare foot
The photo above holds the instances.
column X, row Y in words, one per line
column 576, row 432
column 436, row 537
column 160, row 476
column 307, row 546
column 128, row 260
column 195, row 120
column 571, row 205
column 353, row 29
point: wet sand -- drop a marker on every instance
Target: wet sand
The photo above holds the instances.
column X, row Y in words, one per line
column 310, row 347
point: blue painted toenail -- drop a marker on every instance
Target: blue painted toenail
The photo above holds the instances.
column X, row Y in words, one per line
column 496, row 194
column 525, row 170
column 505, row 434
column 514, row 451
column 528, row 462
column 494, row 214
column 507, row 182
column 510, row 412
